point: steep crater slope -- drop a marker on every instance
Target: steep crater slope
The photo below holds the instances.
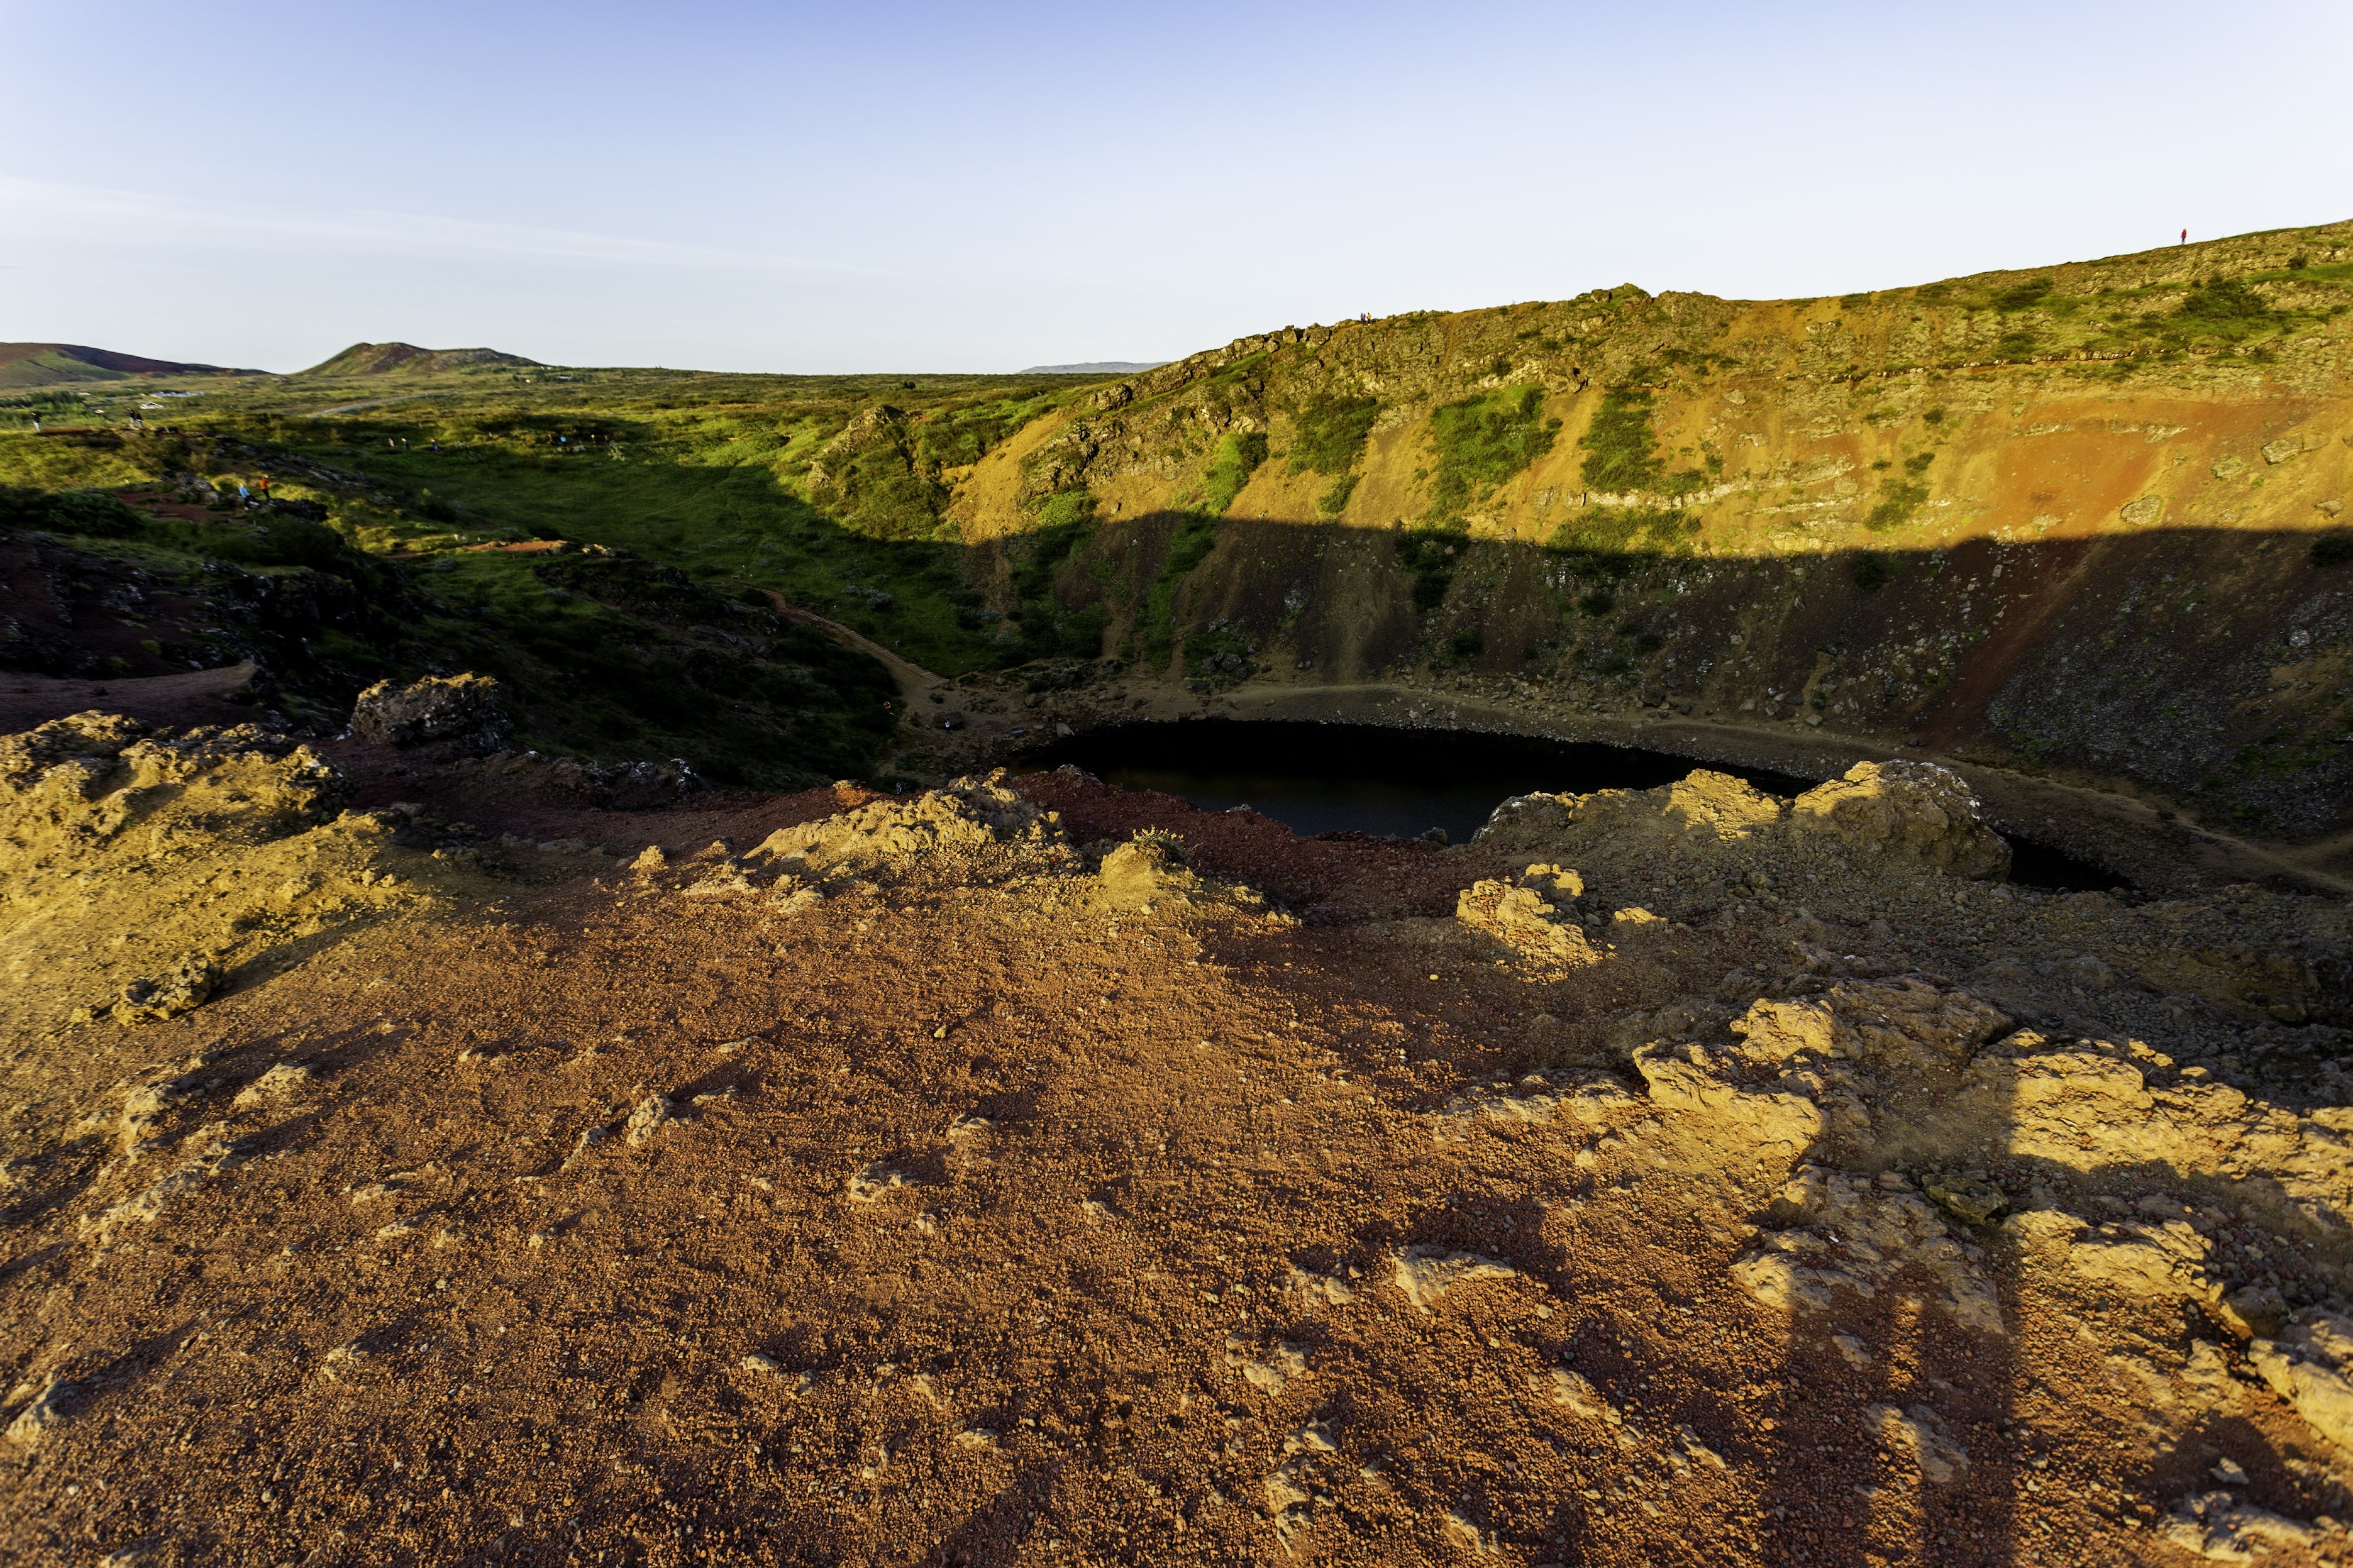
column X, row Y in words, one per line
column 2083, row 522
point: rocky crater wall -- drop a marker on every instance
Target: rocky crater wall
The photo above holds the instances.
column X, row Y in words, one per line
column 2083, row 524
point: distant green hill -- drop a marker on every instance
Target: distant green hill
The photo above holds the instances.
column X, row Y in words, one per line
column 54, row 364
column 388, row 359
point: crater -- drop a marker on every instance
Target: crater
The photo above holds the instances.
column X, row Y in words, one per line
column 1380, row 781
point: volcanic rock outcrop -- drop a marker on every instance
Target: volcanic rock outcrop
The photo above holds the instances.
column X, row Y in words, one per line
column 462, row 709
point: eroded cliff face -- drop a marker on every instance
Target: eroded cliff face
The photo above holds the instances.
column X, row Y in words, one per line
column 2078, row 521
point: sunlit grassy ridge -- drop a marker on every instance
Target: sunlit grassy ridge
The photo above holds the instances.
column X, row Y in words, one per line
column 713, row 474
column 707, row 480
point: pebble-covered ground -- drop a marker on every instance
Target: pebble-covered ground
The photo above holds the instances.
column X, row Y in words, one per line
column 967, row 1205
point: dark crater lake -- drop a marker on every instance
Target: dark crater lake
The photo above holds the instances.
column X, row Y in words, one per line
column 1365, row 778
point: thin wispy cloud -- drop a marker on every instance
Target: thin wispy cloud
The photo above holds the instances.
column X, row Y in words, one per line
column 87, row 207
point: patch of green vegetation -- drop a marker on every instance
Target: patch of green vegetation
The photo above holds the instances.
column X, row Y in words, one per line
column 1429, row 555
column 827, row 490
column 1191, row 542
column 273, row 538
column 1064, row 510
column 1467, row 644
column 1898, row 504
column 90, row 513
column 1335, row 499
column 1872, row 571
column 1194, row 538
column 2022, row 296
column 2223, row 300
column 1625, row 531
column 870, row 480
column 603, row 654
column 2326, row 272
column 74, row 461
column 618, row 656
column 1620, row 450
column 1065, row 523
column 1331, row 433
column 1618, row 455
column 2016, row 344
column 1236, row 458
column 1483, row 441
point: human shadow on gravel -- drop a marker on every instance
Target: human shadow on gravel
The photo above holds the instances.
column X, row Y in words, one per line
column 1890, row 1441
column 1846, row 1487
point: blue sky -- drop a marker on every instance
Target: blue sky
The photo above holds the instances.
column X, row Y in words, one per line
column 866, row 187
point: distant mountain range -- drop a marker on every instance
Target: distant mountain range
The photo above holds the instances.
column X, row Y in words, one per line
column 390, row 359
column 1095, row 367
column 58, row 364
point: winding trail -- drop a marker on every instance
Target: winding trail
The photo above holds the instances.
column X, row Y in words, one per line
column 914, row 682
column 372, row 403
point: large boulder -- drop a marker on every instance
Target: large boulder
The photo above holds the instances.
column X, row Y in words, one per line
column 1913, row 809
column 462, row 709
column 1534, row 914
column 1722, row 805
column 2310, row 1365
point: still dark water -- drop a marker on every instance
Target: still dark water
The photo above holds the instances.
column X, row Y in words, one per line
column 1364, row 778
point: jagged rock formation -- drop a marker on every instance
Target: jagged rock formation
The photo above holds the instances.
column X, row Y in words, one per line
column 1915, row 808
column 463, row 710
column 143, row 868
column 1149, row 869
column 1532, row 914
